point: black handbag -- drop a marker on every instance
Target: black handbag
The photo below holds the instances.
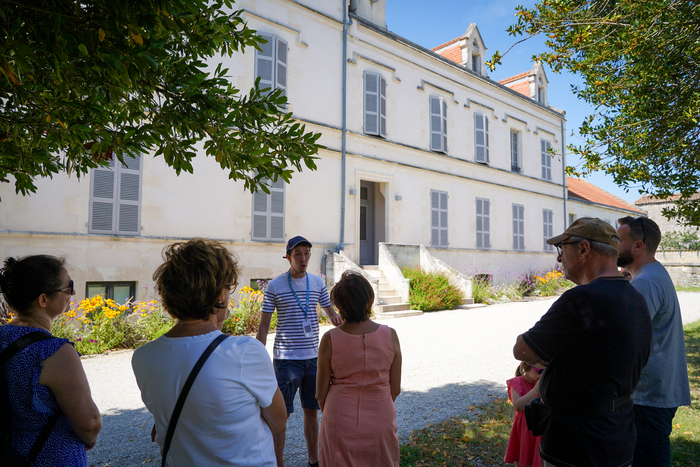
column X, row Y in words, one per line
column 537, row 415
column 183, row 395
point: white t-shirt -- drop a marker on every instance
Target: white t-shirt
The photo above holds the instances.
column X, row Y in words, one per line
column 220, row 423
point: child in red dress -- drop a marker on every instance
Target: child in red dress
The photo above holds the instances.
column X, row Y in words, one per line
column 523, row 447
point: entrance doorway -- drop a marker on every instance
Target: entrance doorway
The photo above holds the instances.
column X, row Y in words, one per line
column 367, row 223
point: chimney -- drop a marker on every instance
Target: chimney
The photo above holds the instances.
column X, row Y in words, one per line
column 373, row 11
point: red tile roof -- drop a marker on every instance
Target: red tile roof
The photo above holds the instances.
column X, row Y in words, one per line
column 453, row 53
column 581, row 189
column 648, row 199
column 522, row 87
column 514, row 78
column 435, row 49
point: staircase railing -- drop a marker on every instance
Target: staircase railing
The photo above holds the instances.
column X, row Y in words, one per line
column 338, row 263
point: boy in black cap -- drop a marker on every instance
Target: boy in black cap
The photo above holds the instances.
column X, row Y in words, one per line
column 294, row 295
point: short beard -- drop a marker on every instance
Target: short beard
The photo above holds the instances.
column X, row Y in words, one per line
column 624, row 259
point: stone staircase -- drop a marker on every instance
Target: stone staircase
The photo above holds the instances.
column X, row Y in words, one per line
column 390, row 305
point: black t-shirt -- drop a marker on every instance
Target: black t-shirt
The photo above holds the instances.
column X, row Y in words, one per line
column 597, row 339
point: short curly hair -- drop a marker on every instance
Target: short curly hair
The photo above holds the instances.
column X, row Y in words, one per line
column 193, row 276
column 353, row 296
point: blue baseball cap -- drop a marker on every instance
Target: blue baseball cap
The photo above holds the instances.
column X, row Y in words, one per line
column 296, row 241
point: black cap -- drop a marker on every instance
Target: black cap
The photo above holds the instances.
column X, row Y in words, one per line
column 296, row 241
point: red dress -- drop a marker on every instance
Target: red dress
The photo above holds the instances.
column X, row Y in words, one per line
column 523, row 447
column 358, row 425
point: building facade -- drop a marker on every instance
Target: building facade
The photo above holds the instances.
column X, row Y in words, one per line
column 422, row 147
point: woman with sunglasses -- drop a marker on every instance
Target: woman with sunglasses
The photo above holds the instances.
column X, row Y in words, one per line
column 49, row 398
column 523, row 447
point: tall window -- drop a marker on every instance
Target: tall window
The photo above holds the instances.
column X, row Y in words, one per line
column 438, row 124
column 115, row 198
column 572, row 218
column 518, row 227
column 547, row 228
column 483, row 223
column 375, row 104
column 271, row 64
column 515, row 151
column 438, row 218
column 546, row 159
column 268, row 213
column 481, row 138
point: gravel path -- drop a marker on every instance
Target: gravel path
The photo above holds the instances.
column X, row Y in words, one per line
column 451, row 360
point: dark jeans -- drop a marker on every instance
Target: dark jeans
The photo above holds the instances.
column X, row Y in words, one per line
column 653, row 426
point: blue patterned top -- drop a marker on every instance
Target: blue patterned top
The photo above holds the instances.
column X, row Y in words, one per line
column 33, row 403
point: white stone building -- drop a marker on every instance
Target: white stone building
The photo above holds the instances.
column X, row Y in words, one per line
column 422, row 147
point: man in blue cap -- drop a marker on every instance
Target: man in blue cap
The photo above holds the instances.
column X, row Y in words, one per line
column 295, row 295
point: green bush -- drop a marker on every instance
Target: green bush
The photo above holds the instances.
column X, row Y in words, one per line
column 431, row 291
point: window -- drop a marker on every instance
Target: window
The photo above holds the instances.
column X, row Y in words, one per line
column 546, row 159
column 476, row 65
column 481, row 139
column 115, row 198
column 438, row 219
column 540, row 95
column 375, row 104
column 572, row 218
column 271, row 64
column 483, row 227
column 518, row 227
column 268, row 213
column 438, row 124
column 548, row 228
column 515, row 151
column 120, row 292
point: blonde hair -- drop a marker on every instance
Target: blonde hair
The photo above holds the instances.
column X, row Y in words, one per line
column 522, row 369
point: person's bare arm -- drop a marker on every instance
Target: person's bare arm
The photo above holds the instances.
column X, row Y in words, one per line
column 323, row 370
column 333, row 316
column 264, row 328
column 523, row 353
column 519, row 402
column 63, row 374
column 395, row 369
column 275, row 415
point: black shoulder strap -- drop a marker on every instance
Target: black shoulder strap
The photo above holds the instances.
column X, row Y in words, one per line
column 21, row 343
column 183, row 395
column 6, row 355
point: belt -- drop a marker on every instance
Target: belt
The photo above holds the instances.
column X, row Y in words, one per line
column 610, row 406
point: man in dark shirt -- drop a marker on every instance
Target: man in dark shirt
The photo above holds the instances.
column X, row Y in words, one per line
column 593, row 342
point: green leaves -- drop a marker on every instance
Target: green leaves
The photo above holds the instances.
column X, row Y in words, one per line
column 639, row 60
column 131, row 77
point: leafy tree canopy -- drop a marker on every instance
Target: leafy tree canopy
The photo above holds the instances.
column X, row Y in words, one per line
column 82, row 81
column 639, row 60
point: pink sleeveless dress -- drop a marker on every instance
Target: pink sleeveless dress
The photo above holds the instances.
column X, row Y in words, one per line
column 358, row 425
column 523, row 447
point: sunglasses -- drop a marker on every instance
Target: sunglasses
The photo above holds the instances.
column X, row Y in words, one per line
column 65, row 289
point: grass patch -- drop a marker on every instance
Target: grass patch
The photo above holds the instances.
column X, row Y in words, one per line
column 481, row 436
column 687, row 289
column 685, row 437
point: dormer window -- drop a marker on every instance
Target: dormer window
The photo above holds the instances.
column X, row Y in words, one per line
column 540, row 91
column 476, row 58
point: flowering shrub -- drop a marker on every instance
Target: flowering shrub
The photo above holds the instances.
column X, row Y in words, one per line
column 245, row 318
column 540, row 284
column 431, row 291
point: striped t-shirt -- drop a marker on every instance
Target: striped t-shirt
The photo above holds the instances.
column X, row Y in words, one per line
column 290, row 341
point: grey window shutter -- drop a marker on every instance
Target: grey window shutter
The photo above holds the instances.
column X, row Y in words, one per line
column 443, row 105
column 268, row 212
column 443, row 219
column 435, row 124
column 547, row 228
column 102, row 195
column 281, row 66
column 371, row 96
column 129, row 204
column 382, row 106
column 514, row 156
column 546, row 160
column 483, row 239
column 264, row 59
column 487, row 223
column 481, row 128
column 518, row 227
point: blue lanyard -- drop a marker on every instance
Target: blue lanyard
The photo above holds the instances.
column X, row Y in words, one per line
column 306, row 310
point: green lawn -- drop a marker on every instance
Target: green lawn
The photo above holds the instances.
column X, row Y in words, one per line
column 480, row 435
column 687, row 289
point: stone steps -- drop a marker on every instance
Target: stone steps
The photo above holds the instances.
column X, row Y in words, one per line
column 389, row 304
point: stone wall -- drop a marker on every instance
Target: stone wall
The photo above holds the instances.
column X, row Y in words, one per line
column 683, row 266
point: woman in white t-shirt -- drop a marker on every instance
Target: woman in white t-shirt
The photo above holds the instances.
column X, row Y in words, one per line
column 234, row 405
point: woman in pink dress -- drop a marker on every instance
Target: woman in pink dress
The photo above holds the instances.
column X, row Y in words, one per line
column 357, row 381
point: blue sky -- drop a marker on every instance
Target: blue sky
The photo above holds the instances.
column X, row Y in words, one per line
column 444, row 20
